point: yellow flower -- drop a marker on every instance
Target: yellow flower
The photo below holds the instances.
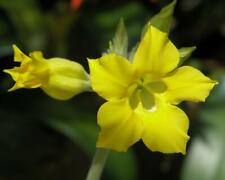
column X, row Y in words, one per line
column 142, row 96
column 58, row 77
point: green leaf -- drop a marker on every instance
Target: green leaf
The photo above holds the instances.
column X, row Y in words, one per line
column 206, row 158
column 162, row 20
column 119, row 45
column 185, row 53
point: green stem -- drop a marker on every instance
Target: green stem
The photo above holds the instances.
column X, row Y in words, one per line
column 97, row 164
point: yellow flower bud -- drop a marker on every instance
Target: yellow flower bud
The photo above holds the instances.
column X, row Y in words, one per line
column 59, row 78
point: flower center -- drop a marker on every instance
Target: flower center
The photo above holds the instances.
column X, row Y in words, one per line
column 145, row 92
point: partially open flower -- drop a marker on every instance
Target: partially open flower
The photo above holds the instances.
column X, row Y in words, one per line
column 59, row 78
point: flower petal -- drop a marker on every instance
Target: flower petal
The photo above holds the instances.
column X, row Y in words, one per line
column 66, row 79
column 187, row 83
column 165, row 130
column 120, row 126
column 30, row 74
column 156, row 53
column 110, row 76
column 19, row 56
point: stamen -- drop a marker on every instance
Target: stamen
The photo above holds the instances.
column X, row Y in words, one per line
column 134, row 98
column 157, row 86
column 147, row 99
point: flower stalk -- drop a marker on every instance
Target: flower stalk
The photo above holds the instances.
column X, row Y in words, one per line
column 97, row 164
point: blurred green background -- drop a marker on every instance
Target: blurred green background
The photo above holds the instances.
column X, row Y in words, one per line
column 45, row 139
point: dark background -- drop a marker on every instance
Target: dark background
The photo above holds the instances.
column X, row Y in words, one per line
column 45, row 139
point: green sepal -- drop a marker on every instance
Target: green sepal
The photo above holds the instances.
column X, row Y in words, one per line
column 185, row 53
column 162, row 20
column 132, row 52
column 119, row 44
